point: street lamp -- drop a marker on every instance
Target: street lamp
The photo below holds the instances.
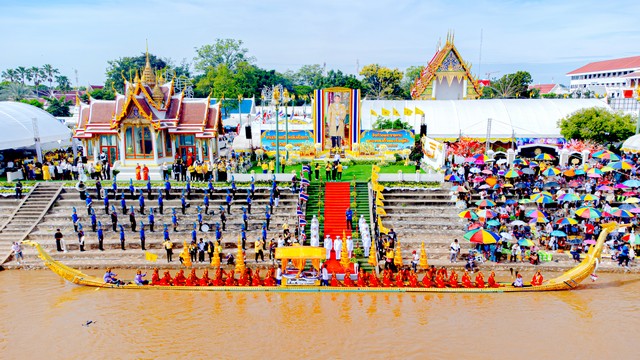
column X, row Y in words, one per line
column 274, row 95
column 239, row 112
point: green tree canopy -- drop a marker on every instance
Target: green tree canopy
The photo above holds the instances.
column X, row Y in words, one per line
column 127, row 66
column 409, row 77
column 514, row 85
column 381, row 82
column 32, row 102
column 58, row 106
column 597, row 124
column 223, row 51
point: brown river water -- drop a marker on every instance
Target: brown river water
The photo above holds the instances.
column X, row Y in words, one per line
column 42, row 317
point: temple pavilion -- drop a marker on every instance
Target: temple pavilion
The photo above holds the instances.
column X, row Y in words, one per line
column 446, row 77
column 149, row 124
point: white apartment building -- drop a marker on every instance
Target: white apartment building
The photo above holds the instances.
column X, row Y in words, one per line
column 619, row 77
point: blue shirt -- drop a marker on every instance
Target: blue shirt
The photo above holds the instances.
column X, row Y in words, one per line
column 74, row 217
column 183, row 201
column 218, row 234
column 93, row 218
column 249, row 200
column 151, row 218
column 199, row 217
column 167, row 185
column 166, row 234
column 149, row 185
column 160, row 200
column 131, row 188
column 106, row 200
column 141, row 200
column 194, row 234
column 114, row 186
column 100, row 233
column 142, row 233
column 206, row 200
column 349, row 214
column 123, row 202
column 89, row 201
column 121, row 234
column 174, row 219
column 228, row 199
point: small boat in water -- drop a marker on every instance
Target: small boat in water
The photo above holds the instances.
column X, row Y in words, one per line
column 566, row 281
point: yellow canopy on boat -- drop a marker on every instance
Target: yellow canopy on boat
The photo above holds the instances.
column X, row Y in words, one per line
column 300, row 254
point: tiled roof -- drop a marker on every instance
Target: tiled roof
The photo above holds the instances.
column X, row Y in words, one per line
column 543, row 88
column 607, row 65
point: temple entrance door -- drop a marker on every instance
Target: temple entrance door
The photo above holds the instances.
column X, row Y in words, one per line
column 112, row 153
column 188, row 154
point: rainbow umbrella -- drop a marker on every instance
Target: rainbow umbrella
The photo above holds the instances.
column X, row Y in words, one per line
column 533, row 163
column 606, row 155
column 535, row 214
column 566, row 221
column 512, row 173
column 621, row 213
column 569, row 197
column 588, row 213
column 607, row 168
column 485, row 203
column 632, row 183
column 604, row 188
column 468, row 214
column 539, row 220
column 482, row 236
column 452, row 178
column 569, row 173
column 621, row 165
column 635, row 210
column 551, row 171
column 525, row 242
column 487, row 214
column 589, row 197
column 545, row 156
column 522, row 162
column 541, row 198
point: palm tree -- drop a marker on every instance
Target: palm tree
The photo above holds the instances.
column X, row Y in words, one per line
column 23, row 74
column 10, row 75
column 15, row 92
column 63, row 83
column 37, row 75
column 50, row 72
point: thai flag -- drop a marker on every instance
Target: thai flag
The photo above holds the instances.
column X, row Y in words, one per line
column 304, row 196
column 258, row 115
column 281, row 114
column 304, row 181
column 303, row 222
column 267, row 115
column 306, row 168
column 299, row 212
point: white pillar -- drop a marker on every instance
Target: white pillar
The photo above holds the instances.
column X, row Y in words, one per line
column 433, row 92
column 173, row 146
column 585, row 156
column 122, row 147
column 210, row 146
column 199, row 149
column 511, row 156
column 564, row 157
column 96, row 148
column 154, row 144
column 464, row 88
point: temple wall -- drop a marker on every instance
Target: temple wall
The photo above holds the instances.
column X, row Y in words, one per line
column 454, row 91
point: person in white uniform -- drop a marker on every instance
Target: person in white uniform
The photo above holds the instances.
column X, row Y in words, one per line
column 350, row 246
column 328, row 245
column 337, row 246
column 366, row 241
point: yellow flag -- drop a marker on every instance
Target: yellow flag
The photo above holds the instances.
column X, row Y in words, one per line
column 379, row 202
column 150, row 256
column 376, row 168
column 380, row 211
column 408, row 112
column 385, row 112
column 374, row 113
column 379, row 187
column 418, row 111
column 374, row 176
column 379, row 195
column 395, row 112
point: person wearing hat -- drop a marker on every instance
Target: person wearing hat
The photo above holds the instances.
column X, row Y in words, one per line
column 328, row 245
column 350, row 246
column 337, row 246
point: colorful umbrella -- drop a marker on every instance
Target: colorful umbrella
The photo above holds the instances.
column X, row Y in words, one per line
column 485, row 203
column 528, row 171
column 589, row 242
column 525, row 242
column 535, row 214
column 522, row 162
column 551, row 171
column 632, row 183
column 525, row 201
column 589, row 197
column 542, row 199
column 493, row 223
column 487, row 214
column 607, row 169
column 468, row 214
column 632, row 200
column 545, row 156
column 568, row 197
column 621, row 213
column 569, row 173
column 606, row 155
column 517, row 223
column 621, row 165
column 604, row 188
column 588, row 213
column 482, row 236
column 567, row 221
column 452, row 178
column 558, row 233
column 512, row 173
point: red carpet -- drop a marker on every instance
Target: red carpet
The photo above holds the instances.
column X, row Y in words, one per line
column 336, row 202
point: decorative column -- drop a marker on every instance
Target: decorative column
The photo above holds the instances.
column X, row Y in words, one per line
column 511, row 156
column 154, row 144
column 586, row 154
column 564, row 157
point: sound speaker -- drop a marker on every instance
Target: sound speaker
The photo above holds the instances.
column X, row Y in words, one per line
column 423, row 130
column 247, row 132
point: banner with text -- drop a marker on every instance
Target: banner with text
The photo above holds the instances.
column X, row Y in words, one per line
column 296, row 138
column 393, row 139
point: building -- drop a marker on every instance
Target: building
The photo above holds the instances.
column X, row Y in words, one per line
column 546, row 89
column 619, row 77
column 446, row 77
column 149, row 124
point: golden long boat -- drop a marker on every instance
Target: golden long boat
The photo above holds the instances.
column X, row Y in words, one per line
column 567, row 281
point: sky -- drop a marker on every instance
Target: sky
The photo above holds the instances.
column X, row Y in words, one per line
column 546, row 38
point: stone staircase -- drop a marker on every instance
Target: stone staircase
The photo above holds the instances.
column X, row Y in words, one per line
column 27, row 215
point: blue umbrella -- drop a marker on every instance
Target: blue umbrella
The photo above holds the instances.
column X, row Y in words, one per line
column 632, row 183
column 510, row 201
column 558, row 233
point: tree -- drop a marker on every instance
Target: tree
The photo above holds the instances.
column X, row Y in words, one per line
column 32, row 102
column 220, row 81
column 309, row 75
column 63, row 83
column 223, row 51
column 50, row 73
column 410, row 76
column 22, row 74
column 127, row 66
column 15, row 92
column 597, row 124
column 10, row 75
column 514, row 85
column 381, row 82
column 58, row 106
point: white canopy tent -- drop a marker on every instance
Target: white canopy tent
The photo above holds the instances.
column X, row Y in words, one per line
column 450, row 119
column 632, row 144
column 17, row 126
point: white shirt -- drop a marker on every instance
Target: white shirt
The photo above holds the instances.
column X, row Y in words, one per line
column 279, row 274
column 455, row 247
column 349, row 244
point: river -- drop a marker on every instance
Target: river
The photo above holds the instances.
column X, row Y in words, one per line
column 43, row 316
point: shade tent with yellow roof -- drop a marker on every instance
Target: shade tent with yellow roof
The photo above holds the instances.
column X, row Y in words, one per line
column 300, row 254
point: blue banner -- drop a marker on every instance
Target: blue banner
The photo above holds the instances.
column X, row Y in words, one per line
column 296, row 138
column 393, row 139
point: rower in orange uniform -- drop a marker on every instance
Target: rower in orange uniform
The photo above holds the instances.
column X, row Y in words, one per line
column 193, row 279
column 217, row 279
column 480, row 280
column 399, row 280
column 204, row 280
column 426, row 279
column 244, row 278
column 255, row 280
column 537, row 279
column 166, row 279
column 230, row 281
column 453, row 279
column 362, row 278
column 413, row 280
column 386, row 278
column 439, row 281
column 334, row 280
column 373, row 280
column 466, row 280
column 443, row 271
column 347, row 279
column 155, row 277
column 492, row 280
column 179, row 279
column 270, row 280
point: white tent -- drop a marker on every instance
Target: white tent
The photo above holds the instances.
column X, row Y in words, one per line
column 17, row 126
column 449, row 119
column 632, row 144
